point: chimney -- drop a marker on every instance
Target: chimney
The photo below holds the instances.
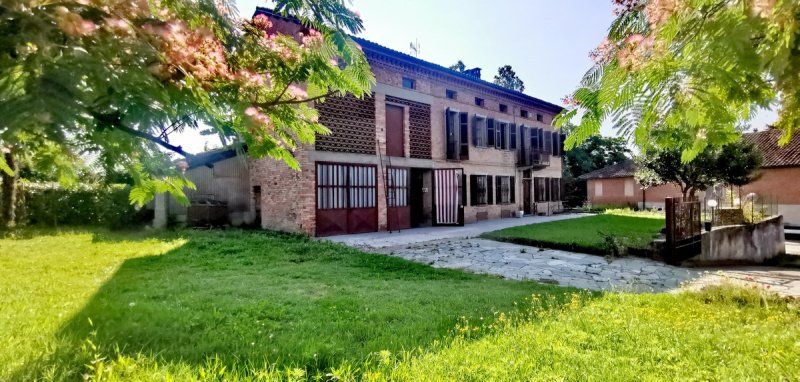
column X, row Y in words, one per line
column 474, row 72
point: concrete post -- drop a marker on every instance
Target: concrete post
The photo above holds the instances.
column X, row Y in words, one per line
column 161, row 211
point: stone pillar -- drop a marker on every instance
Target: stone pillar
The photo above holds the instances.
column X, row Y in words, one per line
column 161, row 210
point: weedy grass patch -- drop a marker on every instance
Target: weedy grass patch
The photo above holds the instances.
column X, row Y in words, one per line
column 588, row 234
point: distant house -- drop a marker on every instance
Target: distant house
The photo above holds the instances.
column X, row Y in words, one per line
column 615, row 186
column 778, row 179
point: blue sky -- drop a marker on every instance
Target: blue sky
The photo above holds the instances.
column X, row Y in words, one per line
column 546, row 42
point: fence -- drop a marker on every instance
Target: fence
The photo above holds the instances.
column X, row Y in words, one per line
column 726, row 206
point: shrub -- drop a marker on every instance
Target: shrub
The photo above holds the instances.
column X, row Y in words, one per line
column 101, row 206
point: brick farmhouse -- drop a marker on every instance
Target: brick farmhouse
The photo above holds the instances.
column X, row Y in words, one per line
column 778, row 179
column 429, row 146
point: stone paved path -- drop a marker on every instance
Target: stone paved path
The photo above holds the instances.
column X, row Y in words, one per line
column 630, row 274
column 546, row 265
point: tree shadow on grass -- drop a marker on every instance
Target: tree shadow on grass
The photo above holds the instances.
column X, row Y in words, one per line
column 283, row 299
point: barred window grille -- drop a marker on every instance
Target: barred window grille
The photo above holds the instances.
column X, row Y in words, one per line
column 345, row 186
column 397, row 185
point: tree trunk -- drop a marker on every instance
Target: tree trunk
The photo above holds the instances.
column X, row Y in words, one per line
column 684, row 192
column 8, row 216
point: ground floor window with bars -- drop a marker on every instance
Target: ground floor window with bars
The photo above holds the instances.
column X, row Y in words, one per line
column 505, row 189
column 480, row 187
column 345, row 186
column 397, row 186
column 547, row 189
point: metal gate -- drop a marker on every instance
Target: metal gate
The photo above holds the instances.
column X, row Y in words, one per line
column 684, row 229
column 448, row 207
column 346, row 199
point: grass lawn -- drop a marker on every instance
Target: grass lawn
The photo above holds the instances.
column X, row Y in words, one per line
column 239, row 296
column 237, row 305
column 587, row 234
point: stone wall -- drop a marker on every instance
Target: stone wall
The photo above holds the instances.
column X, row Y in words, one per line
column 742, row 244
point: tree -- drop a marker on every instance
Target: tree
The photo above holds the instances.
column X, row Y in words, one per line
column 737, row 164
column 506, row 77
column 117, row 79
column 691, row 73
column 646, row 178
column 695, row 175
column 459, row 66
column 593, row 154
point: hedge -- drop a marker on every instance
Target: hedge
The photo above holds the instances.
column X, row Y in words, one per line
column 101, row 206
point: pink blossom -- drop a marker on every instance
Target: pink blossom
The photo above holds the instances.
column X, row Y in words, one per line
column 262, row 22
column 634, row 39
column 72, row 23
column 296, row 92
column 604, row 52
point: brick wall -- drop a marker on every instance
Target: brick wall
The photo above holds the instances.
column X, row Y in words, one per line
column 287, row 196
column 614, row 192
column 781, row 183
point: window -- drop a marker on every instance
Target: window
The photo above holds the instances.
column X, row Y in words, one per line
column 501, row 132
column 505, row 189
column 479, row 131
column 342, row 186
column 409, row 83
column 628, row 187
column 555, row 189
column 547, row 189
column 456, row 135
column 598, row 188
column 539, row 117
column 451, row 130
column 463, row 136
column 397, row 186
column 479, row 101
column 503, row 108
column 556, row 143
column 451, row 94
column 523, row 113
column 480, row 190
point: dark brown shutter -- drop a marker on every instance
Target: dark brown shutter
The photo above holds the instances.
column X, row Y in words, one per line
column 463, row 187
column 473, row 190
column 498, row 187
column 555, row 144
column 513, row 190
column 490, row 132
column 499, row 129
column 464, row 136
column 562, row 138
column 489, row 189
column 512, row 134
column 475, row 132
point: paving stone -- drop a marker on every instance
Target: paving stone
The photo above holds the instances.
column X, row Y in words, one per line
column 583, row 271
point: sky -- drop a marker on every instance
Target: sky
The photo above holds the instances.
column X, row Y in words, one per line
column 546, row 42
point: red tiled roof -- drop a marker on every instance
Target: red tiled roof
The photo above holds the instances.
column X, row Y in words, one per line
column 774, row 155
column 622, row 169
